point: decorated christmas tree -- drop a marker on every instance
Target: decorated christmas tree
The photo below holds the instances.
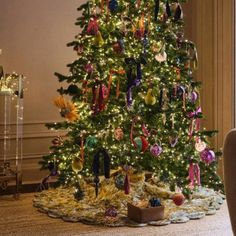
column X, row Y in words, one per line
column 132, row 104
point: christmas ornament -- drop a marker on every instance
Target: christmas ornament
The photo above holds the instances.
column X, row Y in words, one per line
column 139, row 32
column 134, row 78
column 149, row 98
column 200, row 146
column 79, row 49
column 141, row 143
column 193, row 96
column 113, row 5
column 180, row 91
column 111, row 212
column 118, row 47
column 98, row 40
column 96, row 167
column 88, row 68
column 180, row 39
column 155, row 202
column 161, row 57
column 92, row 28
column 120, row 181
column 68, row 109
column 78, row 140
column 119, row 134
column 173, row 141
column 178, row 199
column 156, row 150
column 57, row 141
column 127, row 180
column 73, row 90
column 77, row 164
column 52, row 168
column 157, row 46
column 91, row 142
column 207, row 156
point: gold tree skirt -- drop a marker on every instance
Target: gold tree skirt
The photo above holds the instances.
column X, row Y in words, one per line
column 60, row 202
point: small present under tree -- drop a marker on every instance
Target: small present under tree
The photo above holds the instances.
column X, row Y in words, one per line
column 134, row 102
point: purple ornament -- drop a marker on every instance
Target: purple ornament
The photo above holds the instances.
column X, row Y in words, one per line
column 156, row 150
column 88, row 68
column 173, row 141
column 180, row 91
column 207, row 156
column 111, row 212
column 193, row 97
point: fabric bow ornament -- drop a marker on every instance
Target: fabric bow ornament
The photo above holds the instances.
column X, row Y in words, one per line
column 134, row 76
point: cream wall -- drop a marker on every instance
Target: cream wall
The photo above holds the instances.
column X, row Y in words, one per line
column 33, row 37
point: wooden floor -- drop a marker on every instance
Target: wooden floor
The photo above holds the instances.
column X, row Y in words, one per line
column 20, row 218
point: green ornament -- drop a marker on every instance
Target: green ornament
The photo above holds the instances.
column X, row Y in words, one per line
column 91, row 141
column 139, row 143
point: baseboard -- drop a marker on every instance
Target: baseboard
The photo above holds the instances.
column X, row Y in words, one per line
column 24, row 188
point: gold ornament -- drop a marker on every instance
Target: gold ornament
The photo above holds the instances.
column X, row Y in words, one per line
column 149, row 98
column 99, row 39
column 77, row 164
column 157, row 46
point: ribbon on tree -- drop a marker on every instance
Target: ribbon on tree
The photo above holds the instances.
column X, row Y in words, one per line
column 112, row 72
column 82, row 148
column 143, row 139
column 145, row 43
column 194, row 118
column 138, row 3
column 168, row 11
column 85, row 89
column 178, row 13
column 160, row 100
column 156, row 11
column 177, row 70
column 101, row 96
column 134, row 78
column 96, row 167
column 102, row 5
column 98, row 100
column 194, row 174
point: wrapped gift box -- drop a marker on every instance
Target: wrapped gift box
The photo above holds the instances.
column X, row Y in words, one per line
column 143, row 215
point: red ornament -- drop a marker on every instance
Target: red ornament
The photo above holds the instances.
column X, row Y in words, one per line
column 92, row 27
column 117, row 48
column 127, row 184
column 145, row 143
column 178, row 199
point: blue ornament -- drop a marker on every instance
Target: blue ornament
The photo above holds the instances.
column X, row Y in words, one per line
column 52, row 168
column 120, row 181
column 155, row 202
column 113, row 5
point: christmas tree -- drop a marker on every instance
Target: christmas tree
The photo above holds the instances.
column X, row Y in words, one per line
column 132, row 102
